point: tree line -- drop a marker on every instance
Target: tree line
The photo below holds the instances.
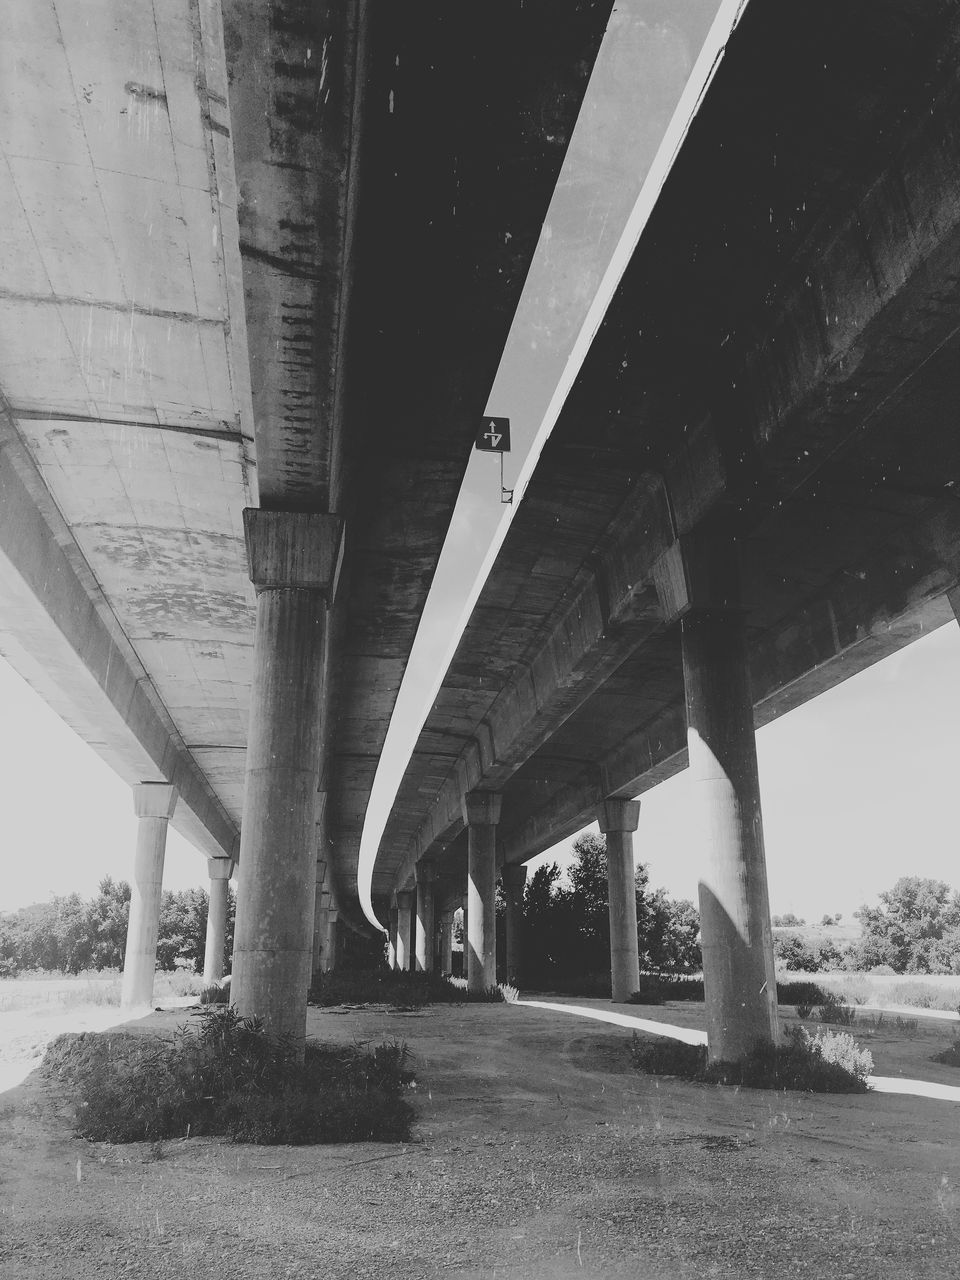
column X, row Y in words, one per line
column 71, row 934
column 914, row 929
column 566, row 941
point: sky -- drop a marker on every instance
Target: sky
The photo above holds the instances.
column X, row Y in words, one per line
column 857, row 787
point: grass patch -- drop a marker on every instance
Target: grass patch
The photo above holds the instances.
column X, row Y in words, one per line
column 227, row 1077
column 400, row 990
column 824, row 1063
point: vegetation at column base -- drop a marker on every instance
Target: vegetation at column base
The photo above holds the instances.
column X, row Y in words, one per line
column 216, row 993
column 404, row 991
column 825, row 1063
column 226, row 1077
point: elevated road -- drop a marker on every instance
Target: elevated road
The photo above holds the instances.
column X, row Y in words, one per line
column 778, row 366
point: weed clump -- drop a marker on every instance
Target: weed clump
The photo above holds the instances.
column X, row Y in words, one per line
column 824, row 1063
column 216, row 993
column 228, row 1077
column 404, row 991
column 949, row 1057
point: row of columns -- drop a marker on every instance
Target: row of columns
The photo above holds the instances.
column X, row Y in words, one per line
column 739, row 978
column 293, row 559
column 154, row 804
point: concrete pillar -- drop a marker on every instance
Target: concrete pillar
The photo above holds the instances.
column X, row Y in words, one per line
column 446, row 942
column 324, row 901
column 220, row 871
column 332, row 937
column 425, row 944
column 404, row 910
column 482, row 813
column 153, row 803
column 319, row 923
column 392, row 938
column 293, row 559
column 514, row 878
column 618, row 820
column 741, row 991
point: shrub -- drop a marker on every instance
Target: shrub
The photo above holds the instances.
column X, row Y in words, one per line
column 804, row 1011
column 403, row 991
column 228, row 1077
column 950, row 1056
column 217, row 993
column 824, row 1063
column 836, row 1014
column 801, row 992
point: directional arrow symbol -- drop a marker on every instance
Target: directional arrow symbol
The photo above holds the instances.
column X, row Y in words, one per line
column 493, row 435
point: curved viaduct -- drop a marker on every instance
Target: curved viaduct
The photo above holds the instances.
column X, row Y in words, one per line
column 260, row 264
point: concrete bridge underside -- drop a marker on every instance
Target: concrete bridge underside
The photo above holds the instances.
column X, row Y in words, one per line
column 260, row 263
column 254, row 257
column 778, row 368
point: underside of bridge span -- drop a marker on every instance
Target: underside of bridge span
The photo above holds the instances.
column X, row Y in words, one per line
column 260, row 264
column 777, row 373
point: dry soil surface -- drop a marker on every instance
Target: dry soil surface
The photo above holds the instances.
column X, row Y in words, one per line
column 539, row 1153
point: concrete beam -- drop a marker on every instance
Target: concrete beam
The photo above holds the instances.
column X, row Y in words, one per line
column 59, row 633
column 783, row 678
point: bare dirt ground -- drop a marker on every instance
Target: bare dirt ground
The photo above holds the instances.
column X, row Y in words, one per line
column 539, row 1153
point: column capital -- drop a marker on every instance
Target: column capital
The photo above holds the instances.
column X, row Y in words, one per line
column 513, row 875
column 618, row 815
column 404, row 899
column 482, row 808
column 298, row 550
column 220, row 868
column 154, row 799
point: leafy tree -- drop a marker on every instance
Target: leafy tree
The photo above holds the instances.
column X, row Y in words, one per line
column 788, row 921
column 915, row 929
column 567, row 939
column 107, row 916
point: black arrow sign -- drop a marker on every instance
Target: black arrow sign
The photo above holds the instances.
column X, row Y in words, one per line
column 493, row 435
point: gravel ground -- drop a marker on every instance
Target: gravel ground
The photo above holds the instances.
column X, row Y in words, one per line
column 539, row 1153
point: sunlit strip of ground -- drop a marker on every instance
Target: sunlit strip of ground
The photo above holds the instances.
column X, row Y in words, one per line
column 690, row 1035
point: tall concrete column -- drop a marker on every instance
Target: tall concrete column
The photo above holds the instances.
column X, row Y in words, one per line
column 153, row 803
column 324, row 901
column 404, row 911
column 293, row 561
column 482, row 813
column 446, row 942
column 332, row 937
column 392, row 938
column 514, row 877
column 220, row 871
column 319, row 922
column 741, row 991
column 425, row 941
column 618, row 820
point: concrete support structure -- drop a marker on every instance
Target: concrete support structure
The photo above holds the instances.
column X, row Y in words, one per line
column 446, row 941
column 154, row 803
column 741, row 991
column 392, row 938
column 482, row 813
column 324, row 901
column 618, row 820
column 220, row 871
column 425, row 942
column 404, row 913
column 293, row 559
column 331, row 939
column 319, row 921
column 514, row 877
